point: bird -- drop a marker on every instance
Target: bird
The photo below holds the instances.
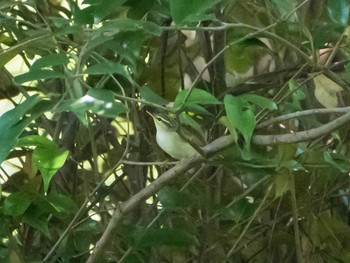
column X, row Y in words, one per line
column 177, row 139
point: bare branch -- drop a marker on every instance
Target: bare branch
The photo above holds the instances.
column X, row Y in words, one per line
column 186, row 164
column 299, row 114
column 303, row 135
column 124, row 208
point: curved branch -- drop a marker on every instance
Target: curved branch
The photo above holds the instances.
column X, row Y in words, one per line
column 299, row 114
column 303, row 135
column 124, row 208
column 186, row 164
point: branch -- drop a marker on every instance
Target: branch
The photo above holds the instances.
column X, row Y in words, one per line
column 299, row 114
column 124, row 208
column 299, row 258
column 186, row 164
column 303, row 135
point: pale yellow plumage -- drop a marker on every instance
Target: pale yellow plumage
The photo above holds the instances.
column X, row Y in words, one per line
column 171, row 142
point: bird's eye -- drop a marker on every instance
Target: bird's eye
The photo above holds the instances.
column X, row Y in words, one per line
column 159, row 119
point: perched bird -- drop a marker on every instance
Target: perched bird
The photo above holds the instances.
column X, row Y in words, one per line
column 177, row 139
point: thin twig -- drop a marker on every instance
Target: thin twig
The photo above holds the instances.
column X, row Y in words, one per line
column 256, row 212
column 295, row 221
column 165, row 163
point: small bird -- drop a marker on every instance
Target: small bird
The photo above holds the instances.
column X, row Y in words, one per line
column 177, row 140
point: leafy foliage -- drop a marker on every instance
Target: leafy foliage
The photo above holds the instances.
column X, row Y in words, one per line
column 79, row 161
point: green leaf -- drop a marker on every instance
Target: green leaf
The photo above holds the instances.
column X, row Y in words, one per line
column 284, row 6
column 347, row 72
column 138, row 9
column 12, row 117
column 149, row 95
column 108, row 67
column 330, row 229
column 47, row 156
column 118, row 25
column 164, row 236
column 195, row 108
column 8, row 54
column 187, row 120
column 49, row 61
column 96, row 101
column 338, row 11
column 59, row 22
column 105, row 8
column 239, row 58
column 97, row 11
column 196, row 96
column 286, row 152
column 34, row 217
column 37, row 74
column 183, row 11
column 16, row 204
column 83, row 240
column 13, row 122
column 83, row 16
column 241, row 116
column 103, row 103
column 337, row 161
column 62, row 204
column 96, row 41
column 259, row 100
column 224, row 121
column 242, row 210
column 291, row 165
column 49, row 160
column 35, row 140
column 101, row 94
column 282, row 183
column 172, row 198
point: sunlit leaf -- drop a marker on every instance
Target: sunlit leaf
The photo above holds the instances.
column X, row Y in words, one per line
column 100, row 101
column 47, row 157
column 37, row 75
column 49, row 61
column 8, row 54
column 13, row 122
column 35, row 140
column 49, row 160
